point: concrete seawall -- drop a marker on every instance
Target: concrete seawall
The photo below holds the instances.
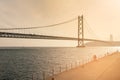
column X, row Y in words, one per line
column 105, row 68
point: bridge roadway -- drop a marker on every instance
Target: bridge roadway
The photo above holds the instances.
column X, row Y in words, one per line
column 35, row 36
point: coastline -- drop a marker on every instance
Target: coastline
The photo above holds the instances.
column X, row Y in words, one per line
column 93, row 70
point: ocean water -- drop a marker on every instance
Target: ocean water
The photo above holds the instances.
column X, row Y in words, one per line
column 30, row 63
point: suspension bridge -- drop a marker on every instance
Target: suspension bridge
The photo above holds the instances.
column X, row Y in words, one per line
column 4, row 33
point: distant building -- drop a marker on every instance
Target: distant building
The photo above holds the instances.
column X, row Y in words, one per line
column 111, row 37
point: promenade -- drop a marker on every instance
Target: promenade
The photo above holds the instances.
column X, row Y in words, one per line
column 106, row 68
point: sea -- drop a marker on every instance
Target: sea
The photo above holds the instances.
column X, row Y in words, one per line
column 35, row 63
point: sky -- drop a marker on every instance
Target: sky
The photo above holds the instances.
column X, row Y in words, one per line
column 101, row 19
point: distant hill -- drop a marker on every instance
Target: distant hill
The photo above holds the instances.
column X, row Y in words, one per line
column 117, row 43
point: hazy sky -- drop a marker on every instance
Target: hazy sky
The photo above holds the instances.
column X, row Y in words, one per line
column 101, row 16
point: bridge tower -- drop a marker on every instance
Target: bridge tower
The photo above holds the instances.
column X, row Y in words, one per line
column 80, row 32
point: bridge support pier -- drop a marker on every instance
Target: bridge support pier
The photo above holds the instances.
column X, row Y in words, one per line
column 80, row 32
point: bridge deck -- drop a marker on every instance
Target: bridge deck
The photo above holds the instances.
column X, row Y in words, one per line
column 106, row 68
column 36, row 36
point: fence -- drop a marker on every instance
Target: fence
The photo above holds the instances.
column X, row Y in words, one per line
column 67, row 67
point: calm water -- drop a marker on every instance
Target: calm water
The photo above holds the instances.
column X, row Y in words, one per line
column 23, row 63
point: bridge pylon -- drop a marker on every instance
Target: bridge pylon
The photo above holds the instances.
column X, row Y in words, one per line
column 80, row 31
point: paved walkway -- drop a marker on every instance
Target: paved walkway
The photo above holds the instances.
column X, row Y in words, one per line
column 107, row 68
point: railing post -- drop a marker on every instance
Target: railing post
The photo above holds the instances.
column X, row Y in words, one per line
column 53, row 72
column 76, row 64
column 71, row 66
column 44, row 77
column 37, row 76
column 32, row 76
column 79, row 63
column 60, row 69
column 66, row 67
